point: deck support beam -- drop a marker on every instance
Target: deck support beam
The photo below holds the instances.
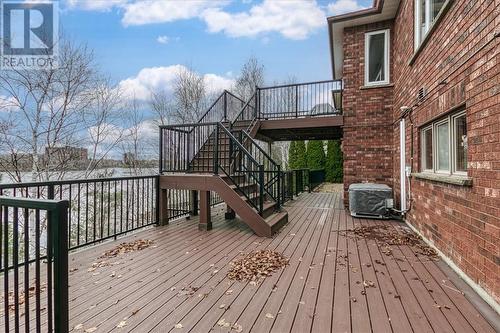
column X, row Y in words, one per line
column 205, row 211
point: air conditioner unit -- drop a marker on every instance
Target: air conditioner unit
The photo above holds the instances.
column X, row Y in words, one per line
column 370, row 200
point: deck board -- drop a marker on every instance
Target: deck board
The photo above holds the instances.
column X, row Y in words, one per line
column 321, row 290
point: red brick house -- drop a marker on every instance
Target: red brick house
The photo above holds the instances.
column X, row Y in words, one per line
column 422, row 114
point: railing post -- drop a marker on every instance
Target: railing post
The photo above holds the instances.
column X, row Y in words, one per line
column 296, row 101
column 216, row 150
column 309, row 180
column 225, row 105
column 279, row 187
column 188, row 157
column 230, row 157
column 50, row 192
column 257, row 102
column 157, row 200
column 59, row 221
column 160, row 161
column 261, row 189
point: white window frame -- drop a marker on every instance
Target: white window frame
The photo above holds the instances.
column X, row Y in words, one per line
column 451, row 121
column 453, row 143
column 435, row 137
column 429, row 22
column 386, row 33
column 424, row 157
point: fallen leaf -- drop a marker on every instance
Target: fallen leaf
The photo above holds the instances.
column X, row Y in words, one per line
column 237, row 328
column 270, row 316
column 121, row 324
column 137, row 245
column 223, row 323
column 179, row 325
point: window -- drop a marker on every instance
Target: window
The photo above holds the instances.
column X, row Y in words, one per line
column 460, row 143
column 426, row 12
column 377, row 57
column 444, row 145
column 427, row 149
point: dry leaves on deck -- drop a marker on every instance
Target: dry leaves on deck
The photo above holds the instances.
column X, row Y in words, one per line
column 387, row 235
column 256, row 265
column 137, row 245
column 21, row 296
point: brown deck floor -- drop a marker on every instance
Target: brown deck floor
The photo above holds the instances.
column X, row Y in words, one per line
column 333, row 283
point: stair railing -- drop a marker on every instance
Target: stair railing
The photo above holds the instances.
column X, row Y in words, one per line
column 272, row 170
column 241, row 167
column 249, row 112
column 180, row 144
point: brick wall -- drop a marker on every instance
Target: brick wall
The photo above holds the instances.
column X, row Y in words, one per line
column 367, row 144
column 459, row 67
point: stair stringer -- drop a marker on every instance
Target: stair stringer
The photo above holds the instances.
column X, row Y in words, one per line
column 216, row 184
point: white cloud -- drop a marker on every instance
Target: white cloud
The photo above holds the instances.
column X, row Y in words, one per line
column 163, row 39
column 160, row 11
column 215, row 83
column 8, row 104
column 148, row 79
column 343, row 6
column 294, row 19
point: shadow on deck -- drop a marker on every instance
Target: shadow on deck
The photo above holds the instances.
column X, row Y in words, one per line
column 333, row 283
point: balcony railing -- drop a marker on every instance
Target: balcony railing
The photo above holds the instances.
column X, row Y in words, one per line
column 321, row 98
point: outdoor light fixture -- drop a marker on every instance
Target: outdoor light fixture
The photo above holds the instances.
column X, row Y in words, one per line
column 337, row 99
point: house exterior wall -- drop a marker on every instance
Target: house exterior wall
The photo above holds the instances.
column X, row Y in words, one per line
column 459, row 67
column 367, row 142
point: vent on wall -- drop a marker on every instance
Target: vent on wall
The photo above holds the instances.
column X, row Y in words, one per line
column 421, row 94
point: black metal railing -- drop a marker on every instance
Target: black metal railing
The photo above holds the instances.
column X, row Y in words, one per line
column 34, row 263
column 181, row 143
column 272, row 171
column 321, row 98
column 248, row 113
column 217, row 152
column 238, row 164
column 100, row 208
column 223, row 109
column 301, row 180
column 317, row 177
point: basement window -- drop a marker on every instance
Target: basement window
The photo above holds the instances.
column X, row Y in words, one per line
column 444, row 145
column 426, row 13
column 377, row 58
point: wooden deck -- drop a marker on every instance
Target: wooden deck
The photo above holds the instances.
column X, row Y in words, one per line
column 333, row 283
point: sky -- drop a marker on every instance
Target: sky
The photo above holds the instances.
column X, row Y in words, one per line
column 140, row 43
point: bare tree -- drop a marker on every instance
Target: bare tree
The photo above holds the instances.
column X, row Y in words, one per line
column 133, row 145
column 44, row 110
column 162, row 106
column 190, row 96
column 102, row 122
column 251, row 75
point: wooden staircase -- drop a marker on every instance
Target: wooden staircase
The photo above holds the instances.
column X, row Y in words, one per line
column 220, row 153
column 222, row 158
